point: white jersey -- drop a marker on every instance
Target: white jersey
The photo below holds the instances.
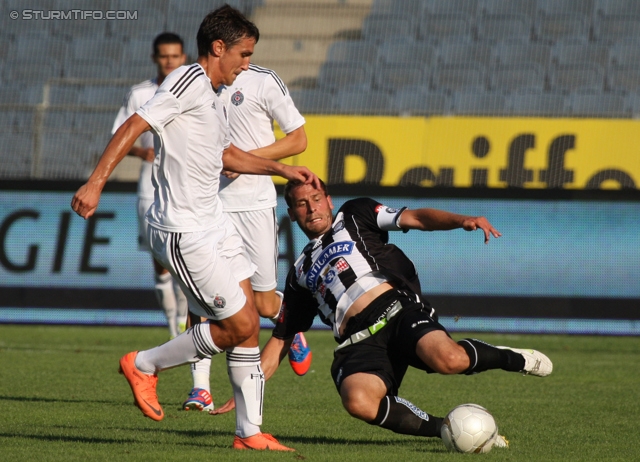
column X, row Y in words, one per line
column 137, row 96
column 190, row 121
column 257, row 98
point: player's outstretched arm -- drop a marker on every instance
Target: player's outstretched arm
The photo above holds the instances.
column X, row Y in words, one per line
column 291, row 144
column 236, row 160
column 272, row 354
column 85, row 201
column 426, row 219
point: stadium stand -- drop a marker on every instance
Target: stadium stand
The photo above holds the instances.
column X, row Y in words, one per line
column 540, row 58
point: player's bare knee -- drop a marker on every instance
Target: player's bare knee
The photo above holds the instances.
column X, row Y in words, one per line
column 359, row 405
column 451, row 361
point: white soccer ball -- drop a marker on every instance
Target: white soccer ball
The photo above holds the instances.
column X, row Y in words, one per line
column 469, row 428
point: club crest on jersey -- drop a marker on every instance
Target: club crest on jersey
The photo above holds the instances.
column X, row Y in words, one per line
column 331, row 275
column 237, row 98
column 219, row 302
column 337, row 249
column 341, row 265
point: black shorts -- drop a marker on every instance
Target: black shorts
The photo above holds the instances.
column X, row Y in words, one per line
column 390, row 351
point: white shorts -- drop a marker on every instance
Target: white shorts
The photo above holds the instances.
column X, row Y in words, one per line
column 209, row 266
column 259, row 231
column 143, row 205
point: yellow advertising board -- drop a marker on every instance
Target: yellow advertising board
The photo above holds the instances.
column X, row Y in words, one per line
column 482, row 152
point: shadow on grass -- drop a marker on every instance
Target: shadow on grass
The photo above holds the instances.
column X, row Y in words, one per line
column 34, row 399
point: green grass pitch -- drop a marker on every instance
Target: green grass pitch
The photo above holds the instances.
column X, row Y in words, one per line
column 61, row 399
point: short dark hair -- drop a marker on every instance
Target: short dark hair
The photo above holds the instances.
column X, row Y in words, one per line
column 226, row 24
column 292, row 184
column 164, row 39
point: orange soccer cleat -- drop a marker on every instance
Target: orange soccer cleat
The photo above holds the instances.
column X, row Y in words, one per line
column 260, row 442
column 143, row 387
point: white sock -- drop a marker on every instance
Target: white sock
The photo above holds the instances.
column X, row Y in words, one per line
column 191, row 346
column 247, row 380
column 182, row 304
column 200, row 372
column 167, row 300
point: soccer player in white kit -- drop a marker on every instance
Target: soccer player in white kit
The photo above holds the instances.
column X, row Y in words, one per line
column 187, row 231
column 256, row 98
column 168, row 55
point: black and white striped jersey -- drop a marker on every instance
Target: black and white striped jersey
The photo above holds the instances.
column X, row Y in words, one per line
column 351, row 259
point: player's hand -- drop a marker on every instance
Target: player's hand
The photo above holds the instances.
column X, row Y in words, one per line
column 149, row 155
column 472, row 224
column 301, row 175
column 226, row 407
column 229, row 174
column 85, row 201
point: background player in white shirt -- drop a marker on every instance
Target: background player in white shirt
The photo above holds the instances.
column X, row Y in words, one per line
column 256, row 98
column 168, row 55
column 187, row 231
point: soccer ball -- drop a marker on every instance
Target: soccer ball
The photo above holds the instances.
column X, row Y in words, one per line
column 469, row 428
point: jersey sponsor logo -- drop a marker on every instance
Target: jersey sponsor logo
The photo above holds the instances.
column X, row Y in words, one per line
column 390, row 210
column 219, row 301
column 338, row 226
column 341, row 265
column 237, row 98
column 337, row 249
column 416, row 324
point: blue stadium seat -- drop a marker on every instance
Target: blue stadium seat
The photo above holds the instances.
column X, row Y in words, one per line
column 34, row 49
column 467, row 8
column 459, row 77
column 622, row 8
column 349, row 51
column 512, row 53
column 337, row 75
column 64, row 95
column 103, row 95
column 444, row 27
column 510, row 7
column 553, row 28
column 464, row 53
column 535, row 104
column 401, row 52
column 608, row 105
column 14, row 121
column 624, row 78
column 364, row 102
column 16, row 153
column 379, row 28
column 498, row 27
column 614, row 29
column 409, row 8
column 569, row 53
column 96, row 50
column 150, row 23
column 577, row 8
column 66, row 156
column 480, row 104
column 313, row 101
column 388, row 77
column 577, row 77
column 19, row 70
column 419, row 101
column 517, row 77
column 625, row 54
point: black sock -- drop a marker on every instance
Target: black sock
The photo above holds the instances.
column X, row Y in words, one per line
column 401, row 416
column 484, row 357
